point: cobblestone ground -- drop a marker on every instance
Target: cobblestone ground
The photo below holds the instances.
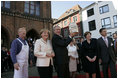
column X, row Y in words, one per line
column 32, row 73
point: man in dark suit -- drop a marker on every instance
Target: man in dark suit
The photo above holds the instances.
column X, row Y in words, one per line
column 79, row 44
column 115, row 43
column 106, row 54
column 61, row 53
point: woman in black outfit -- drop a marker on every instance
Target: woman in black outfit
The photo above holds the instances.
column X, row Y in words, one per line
column 89, row 51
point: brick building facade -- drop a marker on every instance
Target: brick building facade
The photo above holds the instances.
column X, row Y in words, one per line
column 34, row 15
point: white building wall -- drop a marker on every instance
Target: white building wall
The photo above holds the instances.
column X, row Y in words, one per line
column 97, row 17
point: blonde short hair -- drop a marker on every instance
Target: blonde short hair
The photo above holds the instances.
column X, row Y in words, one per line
column 43, row 30
column 20, row 29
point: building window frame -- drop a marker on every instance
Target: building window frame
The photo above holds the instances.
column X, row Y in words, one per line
column 65, row 23
column 38, row 8
column 6, row 4
column 90, row 12
column 74, row 18
column 102, row 8
column 106, row 25
column 31, row 7
column 2, row 3
column 27, row 6
column 91, row 25
column 62, row 23
column 115, row 22
column 69, row 19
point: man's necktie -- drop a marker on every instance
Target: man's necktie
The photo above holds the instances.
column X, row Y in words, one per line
column 106, row 42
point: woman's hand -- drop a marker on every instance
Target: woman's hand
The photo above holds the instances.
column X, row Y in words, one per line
column 88, row 58
column 91, row 60
column 72, row 58
column 37, row 55
column 48, row 54
column 53, row 54
column 94, row 58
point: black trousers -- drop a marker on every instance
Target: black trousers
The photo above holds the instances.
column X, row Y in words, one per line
column 112, row 69
column 63, row 71
column 45, row 72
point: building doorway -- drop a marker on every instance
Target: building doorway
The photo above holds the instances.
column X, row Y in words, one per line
column 5, row 37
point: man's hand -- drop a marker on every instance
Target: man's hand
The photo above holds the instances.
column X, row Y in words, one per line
column 31, row 63
column 100, row 61
column 16, row 66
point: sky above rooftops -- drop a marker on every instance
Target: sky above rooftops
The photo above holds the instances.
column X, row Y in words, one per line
column 59, row 7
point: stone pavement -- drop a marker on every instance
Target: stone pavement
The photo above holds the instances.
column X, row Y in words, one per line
column 32, row 73
column 9, row 74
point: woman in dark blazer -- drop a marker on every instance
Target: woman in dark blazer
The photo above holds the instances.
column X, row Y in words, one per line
column 89, row 51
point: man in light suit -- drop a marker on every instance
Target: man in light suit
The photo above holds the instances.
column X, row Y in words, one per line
column 106, row 54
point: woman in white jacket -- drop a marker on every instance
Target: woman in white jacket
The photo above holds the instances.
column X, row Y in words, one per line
column 72, row 53
column 44, row 53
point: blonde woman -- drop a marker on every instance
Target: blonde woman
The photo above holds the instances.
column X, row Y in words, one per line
column 44, row 53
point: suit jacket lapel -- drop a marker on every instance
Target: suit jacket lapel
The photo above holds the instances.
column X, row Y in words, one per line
column 59, row 36
column 103, row 41
column 108, row 42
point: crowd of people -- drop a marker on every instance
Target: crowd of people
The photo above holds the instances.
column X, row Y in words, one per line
column 6, row 62
column 64, row 54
